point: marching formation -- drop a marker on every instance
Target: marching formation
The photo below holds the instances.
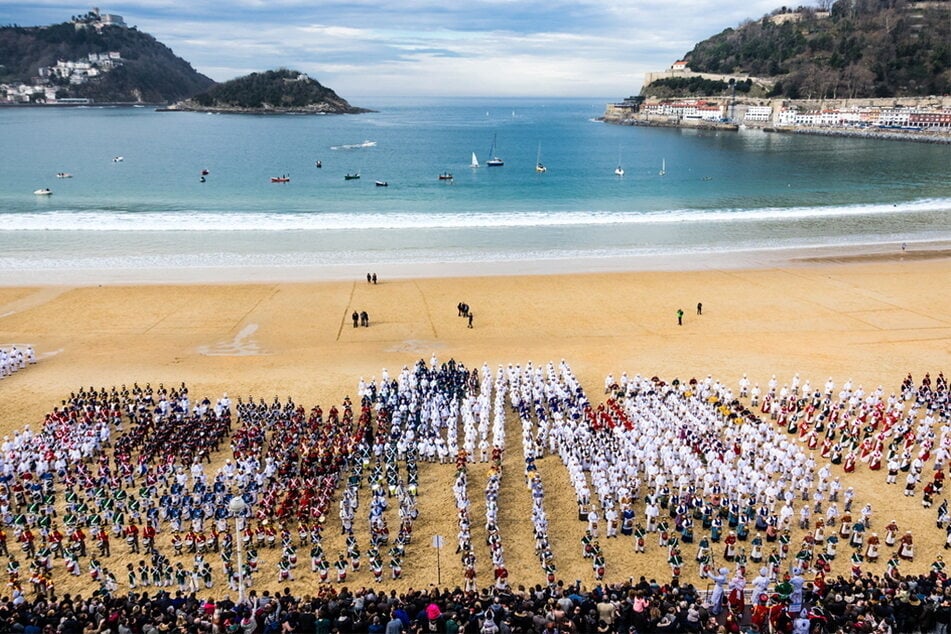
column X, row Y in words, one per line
column 679, row 464
column 13, row 359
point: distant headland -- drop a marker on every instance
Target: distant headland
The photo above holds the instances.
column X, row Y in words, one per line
column 813, row 71
column 94, row 58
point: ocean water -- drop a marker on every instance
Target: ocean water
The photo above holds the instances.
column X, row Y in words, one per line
column 723, row 192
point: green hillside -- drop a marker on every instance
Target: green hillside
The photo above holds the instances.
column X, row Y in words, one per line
column 149, row 71
column 859, row 48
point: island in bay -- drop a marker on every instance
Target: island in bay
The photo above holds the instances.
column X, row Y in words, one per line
column 281, row 91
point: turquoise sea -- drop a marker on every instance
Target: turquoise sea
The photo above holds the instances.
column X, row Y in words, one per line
column 723, row 193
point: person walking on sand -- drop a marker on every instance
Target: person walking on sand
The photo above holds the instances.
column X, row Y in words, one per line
column 470, row 319
column 680, row 316
column 374, row 278
column 699, row 308
column 369, row 278
column 356, row 318
column 365, row 319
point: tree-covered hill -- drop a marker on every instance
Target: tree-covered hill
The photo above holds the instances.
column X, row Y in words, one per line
column 149, row 71
column 673, row 87
column 859, row 48
column 280, row 90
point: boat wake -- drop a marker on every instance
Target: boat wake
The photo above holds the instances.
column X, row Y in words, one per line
column 354, row 146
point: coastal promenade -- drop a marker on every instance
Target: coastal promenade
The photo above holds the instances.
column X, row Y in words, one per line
column 884, row 119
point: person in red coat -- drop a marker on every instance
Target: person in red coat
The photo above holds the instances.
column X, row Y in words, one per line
column 906, row 548
column 148, row 537
column 131, row 533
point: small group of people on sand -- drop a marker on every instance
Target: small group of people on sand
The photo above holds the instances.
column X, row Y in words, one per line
column 680, row 313
column 360, row 319
column 13, row 359
column 465, row 311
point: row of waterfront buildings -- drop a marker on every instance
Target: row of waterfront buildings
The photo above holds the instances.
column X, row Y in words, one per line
column 784, row 113
column 914, row 113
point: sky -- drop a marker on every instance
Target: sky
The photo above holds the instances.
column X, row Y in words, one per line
column 366, row 48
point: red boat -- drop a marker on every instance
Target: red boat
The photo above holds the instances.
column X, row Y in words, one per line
column 280, row 179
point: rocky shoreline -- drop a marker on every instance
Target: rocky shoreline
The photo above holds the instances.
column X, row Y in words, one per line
column 318, row 109
column 668, row 123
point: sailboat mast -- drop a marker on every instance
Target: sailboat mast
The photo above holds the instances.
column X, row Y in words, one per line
column 494, row 161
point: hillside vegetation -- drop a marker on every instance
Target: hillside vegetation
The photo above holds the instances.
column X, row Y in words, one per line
column 271, row 91
column 150, row 71
column 671, row 87
column 859, row 48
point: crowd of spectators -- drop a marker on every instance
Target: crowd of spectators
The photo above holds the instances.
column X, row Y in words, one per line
column 868, row 605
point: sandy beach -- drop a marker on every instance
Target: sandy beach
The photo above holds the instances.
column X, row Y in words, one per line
column 871, row 319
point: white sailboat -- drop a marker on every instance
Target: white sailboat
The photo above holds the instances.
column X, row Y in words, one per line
column 619, row 171
column 539, row 168
column 475, row 161
column 663, row 168
column 494, row 161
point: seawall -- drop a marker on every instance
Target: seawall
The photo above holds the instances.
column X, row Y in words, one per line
column 918, row 136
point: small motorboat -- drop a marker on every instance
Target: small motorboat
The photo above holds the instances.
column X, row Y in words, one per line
column 382, row 184
column 201, row 179
column 352, row 177
column 118, row 159
column 63, row 175
column 46, row 191
column 318, row 164
column 204, row 172
column 280, row 179
column 445, row 176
